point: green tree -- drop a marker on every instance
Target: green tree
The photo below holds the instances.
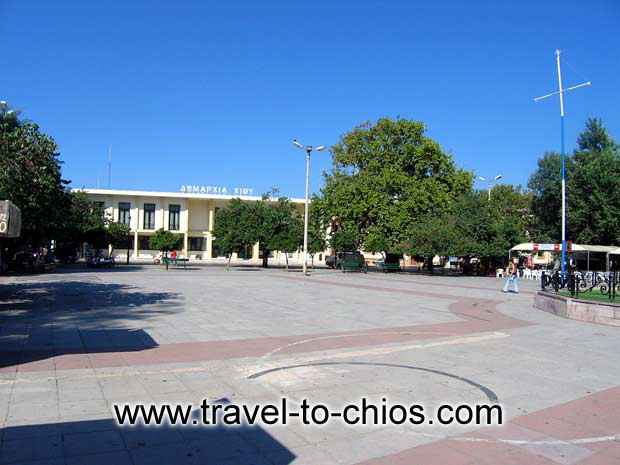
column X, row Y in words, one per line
column 432, row 235
column 30, row 177
column 488, row 229
column 82, row 222
column 476, row 227
column 164, row 241
column 234, row 228
column 118, row 235
column 593, row 190
column 282, row 228
column 317, row 229
column 385, row 176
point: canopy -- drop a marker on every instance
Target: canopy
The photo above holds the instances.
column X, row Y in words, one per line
column 530, row 246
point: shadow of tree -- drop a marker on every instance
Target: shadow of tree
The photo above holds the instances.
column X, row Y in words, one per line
column 103, row 440
column 48, row 317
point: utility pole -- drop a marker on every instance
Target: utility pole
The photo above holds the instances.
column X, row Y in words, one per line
column 561, row 92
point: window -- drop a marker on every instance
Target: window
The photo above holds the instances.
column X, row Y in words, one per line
column 144, row 242
column 124, row 213
column 174, row 217
column 196, row 243
column 149, row 216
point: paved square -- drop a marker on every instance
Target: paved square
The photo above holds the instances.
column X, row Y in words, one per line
column 74, row 342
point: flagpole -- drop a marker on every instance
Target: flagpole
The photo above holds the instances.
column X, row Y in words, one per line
column 563, row 160
column 561, row 92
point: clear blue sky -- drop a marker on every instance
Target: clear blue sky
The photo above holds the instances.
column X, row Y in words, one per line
column 212, row 93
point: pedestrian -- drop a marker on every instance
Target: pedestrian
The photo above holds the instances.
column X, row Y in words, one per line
column 513, row 277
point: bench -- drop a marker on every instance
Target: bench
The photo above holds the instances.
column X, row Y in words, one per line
column 387, row 267
column 175, row 261
column 353, row 264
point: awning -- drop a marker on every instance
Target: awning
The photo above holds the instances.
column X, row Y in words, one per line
column 531, row 246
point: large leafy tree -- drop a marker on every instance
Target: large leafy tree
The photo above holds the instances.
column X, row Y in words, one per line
column 234, row 228
column 476, row 227
column 30, row 177
column 283, row 227
column 546, row 184
column 82, row 222
column 385, row 177
column 593, row 188
column 164, row 241
column 118, row 235
column 273, row 224
column 317, row 228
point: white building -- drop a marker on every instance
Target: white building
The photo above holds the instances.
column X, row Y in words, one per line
column 190, row 213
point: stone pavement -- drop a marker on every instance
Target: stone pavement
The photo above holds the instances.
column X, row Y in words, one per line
column 75, row 342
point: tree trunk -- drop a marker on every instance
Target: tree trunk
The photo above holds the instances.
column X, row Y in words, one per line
column 286, row 256
column 228, row 263
column 265, row 258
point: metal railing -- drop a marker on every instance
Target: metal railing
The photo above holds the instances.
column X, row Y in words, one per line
column 582, row 283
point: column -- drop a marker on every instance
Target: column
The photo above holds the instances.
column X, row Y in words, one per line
column 211, row 221
column 135, row 244
column 186, row 230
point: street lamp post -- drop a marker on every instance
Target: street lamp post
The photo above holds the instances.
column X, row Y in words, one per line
column 490, row 182
column 308, row 149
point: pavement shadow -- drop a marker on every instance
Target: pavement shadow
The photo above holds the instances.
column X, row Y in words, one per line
column 47, row 318
column 103, row 442
column 66, row 342
column 52, row 296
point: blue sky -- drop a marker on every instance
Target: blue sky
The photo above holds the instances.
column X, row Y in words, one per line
column 200, row 92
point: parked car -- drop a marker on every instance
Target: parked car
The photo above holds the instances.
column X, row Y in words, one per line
column 28, row 261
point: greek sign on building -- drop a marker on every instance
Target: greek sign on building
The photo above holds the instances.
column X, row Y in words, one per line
column 222, row 190
column 10, row 219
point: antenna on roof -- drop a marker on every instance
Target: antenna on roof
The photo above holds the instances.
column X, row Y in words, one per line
column 109, row 167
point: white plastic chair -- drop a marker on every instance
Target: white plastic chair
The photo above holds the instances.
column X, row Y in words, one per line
column 499, row 273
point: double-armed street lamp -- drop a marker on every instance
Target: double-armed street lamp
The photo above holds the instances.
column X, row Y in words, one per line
column 490, row 182
column 308, row 149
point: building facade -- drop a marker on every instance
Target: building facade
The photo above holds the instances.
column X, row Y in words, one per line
column 189, row 214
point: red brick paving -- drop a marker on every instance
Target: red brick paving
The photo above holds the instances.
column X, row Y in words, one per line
column 479, row 315
column 601, row 417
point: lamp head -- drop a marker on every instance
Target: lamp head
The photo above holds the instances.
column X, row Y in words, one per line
column 297, row 144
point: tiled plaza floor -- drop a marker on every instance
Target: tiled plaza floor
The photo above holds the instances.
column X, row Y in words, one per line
column 74, row 342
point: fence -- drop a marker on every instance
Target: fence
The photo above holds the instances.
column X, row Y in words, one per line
column 583, row 283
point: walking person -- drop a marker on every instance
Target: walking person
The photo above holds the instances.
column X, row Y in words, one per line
column 513, row 277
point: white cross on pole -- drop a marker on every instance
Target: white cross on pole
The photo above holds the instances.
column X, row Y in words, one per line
column 561, row 92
